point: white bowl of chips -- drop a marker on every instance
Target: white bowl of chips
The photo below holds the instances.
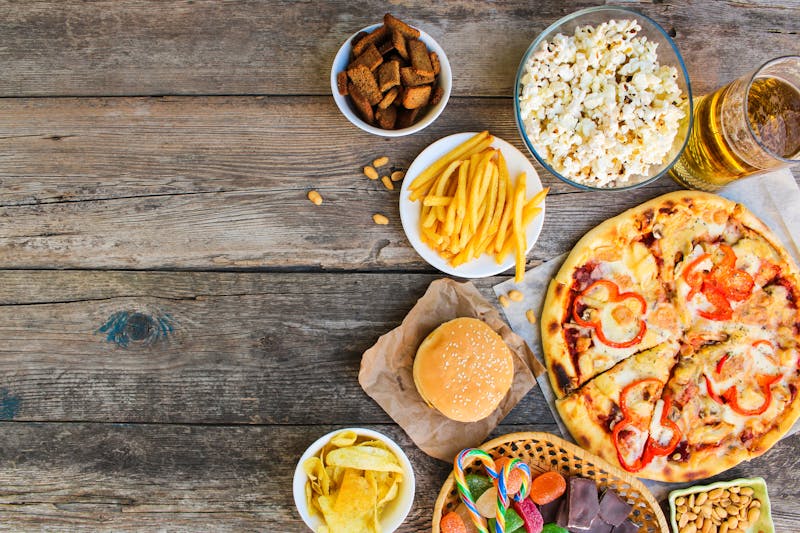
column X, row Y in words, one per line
column 369, row 477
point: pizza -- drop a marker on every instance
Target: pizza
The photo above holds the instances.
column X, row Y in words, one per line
column 671, row 336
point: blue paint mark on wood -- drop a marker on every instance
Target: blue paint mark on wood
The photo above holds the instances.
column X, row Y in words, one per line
column 9, row 405
column 124, row 327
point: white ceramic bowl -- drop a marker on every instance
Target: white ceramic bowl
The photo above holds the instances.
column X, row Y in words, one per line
column 445, row 80
column 484, row 265
column 395, row 511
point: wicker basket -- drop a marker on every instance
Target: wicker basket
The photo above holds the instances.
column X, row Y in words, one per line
column 544, row 452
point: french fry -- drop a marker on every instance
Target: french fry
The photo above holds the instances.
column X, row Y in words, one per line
column 519, row 229
column 433, row 201
column 455, row 154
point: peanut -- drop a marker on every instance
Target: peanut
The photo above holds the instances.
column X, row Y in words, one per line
column 746, row 491
column 503, row 300
column 753, row 514
column 371, row 173
column 680, row 501
column 380, row 161
column 315, row 197
column 714, row 494
column 515, row 295
column 387, row 183
column 691, row 528
column 701, row 498
column 397, row 175
column 531, row 316
column 380, row 219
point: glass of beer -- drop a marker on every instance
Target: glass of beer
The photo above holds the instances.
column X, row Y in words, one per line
column 747, row 127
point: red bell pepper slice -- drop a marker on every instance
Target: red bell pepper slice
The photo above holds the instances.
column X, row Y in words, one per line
column 731, row 396
column 613, row 296
column 721, row 362
column 765, row 382
column 651, row 448
column 722, row 308
column 655, row 447
column 692, row 278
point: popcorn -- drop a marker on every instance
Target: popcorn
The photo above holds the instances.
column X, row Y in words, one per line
column 597, row 105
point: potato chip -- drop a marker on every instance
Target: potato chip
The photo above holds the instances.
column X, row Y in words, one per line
column 344, row 439
column 365, row 458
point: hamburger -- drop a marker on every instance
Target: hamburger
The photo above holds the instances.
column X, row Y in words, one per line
column 463, row 369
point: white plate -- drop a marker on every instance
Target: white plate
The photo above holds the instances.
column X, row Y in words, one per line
column 484, row 265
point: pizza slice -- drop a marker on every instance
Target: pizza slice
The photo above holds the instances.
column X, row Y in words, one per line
column 620, row 414
column 606, row 304
column 731, row 401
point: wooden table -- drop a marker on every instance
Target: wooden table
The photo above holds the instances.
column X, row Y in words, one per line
column 177, row 321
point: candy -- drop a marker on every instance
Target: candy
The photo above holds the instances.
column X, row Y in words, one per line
column 547, row 487
column 463, row 488
column 530, row 515
column 452, row 523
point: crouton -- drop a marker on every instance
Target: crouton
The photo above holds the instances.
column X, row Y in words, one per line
column 341, row 83
column 386, row 117
column 399, row 44
column 437, row 66
column 389, row 98
column 399, row 25
column 363, row 106
column 411, row 78
column 386, row 47
column 357, row 37
column 370, row 58
column 388, row 75
column 420, row 59
column 414, row 97
column 406, row 118
column 364, row 80
column 437, row 95
column 376, row 37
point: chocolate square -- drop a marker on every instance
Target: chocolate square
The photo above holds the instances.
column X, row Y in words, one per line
column 613, row 509
column 582, row 503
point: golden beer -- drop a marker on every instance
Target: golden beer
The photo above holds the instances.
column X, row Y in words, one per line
column 740, row 131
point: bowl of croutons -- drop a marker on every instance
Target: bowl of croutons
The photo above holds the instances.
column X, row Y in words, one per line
column 391, row 79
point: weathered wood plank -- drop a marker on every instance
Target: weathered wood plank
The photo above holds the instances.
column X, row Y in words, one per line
column 221, row 182
column 56, row 48
column 199, row 347
column 117, row 477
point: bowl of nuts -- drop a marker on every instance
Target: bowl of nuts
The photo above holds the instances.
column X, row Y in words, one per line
column 602, row 99
column 391, row 79
column 740, row 505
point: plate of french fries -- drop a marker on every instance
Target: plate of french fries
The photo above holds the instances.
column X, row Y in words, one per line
column 472, row 205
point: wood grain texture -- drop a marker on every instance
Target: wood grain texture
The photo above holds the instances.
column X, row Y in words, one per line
column 236, row 347
column 52, row 48
column 221, row 183
column 118, row 477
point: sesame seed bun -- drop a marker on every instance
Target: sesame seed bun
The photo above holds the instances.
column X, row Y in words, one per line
column 463, row 369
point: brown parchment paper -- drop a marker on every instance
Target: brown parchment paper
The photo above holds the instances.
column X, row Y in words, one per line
column 387, row 370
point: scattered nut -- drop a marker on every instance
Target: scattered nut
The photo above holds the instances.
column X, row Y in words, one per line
column 515, row 295
column 503, row 300
column 531, row 316
column 380, row 219
column 387, row 183
column 380, row 161
column 397, row 175
column 315, row 197
column 371, row 173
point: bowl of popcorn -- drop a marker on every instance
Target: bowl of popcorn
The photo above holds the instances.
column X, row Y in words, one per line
column 603, row 99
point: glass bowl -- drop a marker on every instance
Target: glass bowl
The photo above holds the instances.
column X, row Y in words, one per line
column 667, row 53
